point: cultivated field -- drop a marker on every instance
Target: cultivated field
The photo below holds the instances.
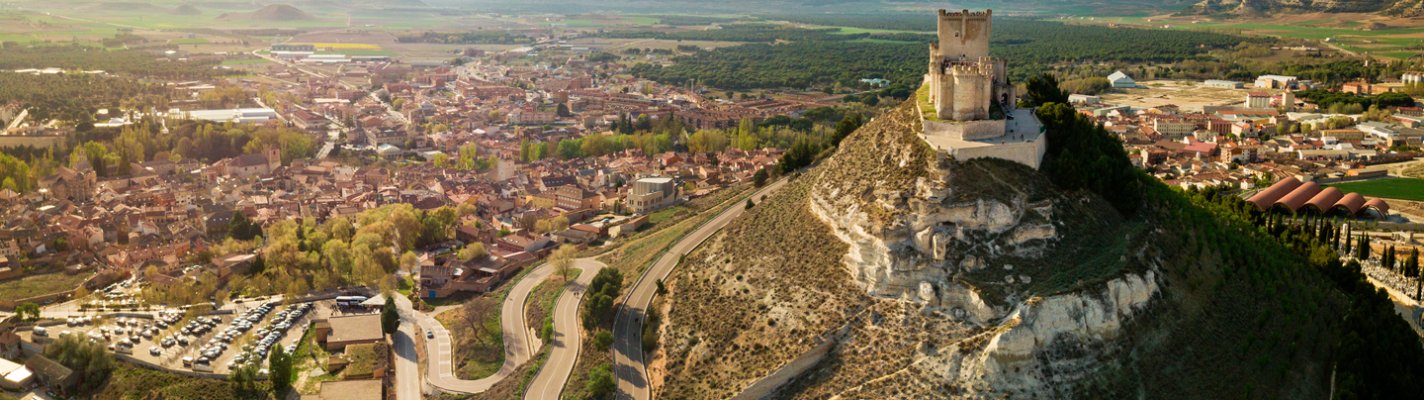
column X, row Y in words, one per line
column 1380, row 36
column 1390, row 188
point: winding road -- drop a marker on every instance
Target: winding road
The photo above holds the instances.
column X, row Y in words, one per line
column 520, row 339
column 629, row 364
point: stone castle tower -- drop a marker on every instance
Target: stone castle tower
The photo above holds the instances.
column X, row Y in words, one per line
column 965, row 82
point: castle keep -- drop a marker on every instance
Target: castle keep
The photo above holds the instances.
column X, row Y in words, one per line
column 967, row 104
column 965, row 82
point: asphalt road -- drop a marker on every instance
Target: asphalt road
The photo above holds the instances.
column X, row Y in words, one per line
column 628, row 361
column 565, row 343
column 520, row 338
column 407, row 368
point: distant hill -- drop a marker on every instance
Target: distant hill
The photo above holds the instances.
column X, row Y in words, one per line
column 127, row 6
column 1402, row 8
column 272, row 12
column 187, row 9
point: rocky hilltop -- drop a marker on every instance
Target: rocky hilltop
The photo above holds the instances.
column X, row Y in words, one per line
column 889, row 271
column 1403, row 8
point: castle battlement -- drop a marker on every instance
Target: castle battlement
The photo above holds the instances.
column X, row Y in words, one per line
column 977, row 68
column 966, row 13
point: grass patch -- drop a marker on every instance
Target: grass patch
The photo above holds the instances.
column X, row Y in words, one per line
column 362, row 360
column 1391, row 188
column 40, row 284
column 244, row 61
column 346, row 46
column 405, row 285
column 922, row 99
column 138, row 383
column 540, row 304
column 479, row 344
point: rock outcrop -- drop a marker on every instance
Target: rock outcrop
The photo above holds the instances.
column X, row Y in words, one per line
column 891, row 271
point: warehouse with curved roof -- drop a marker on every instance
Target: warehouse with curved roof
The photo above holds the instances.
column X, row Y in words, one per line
column 1293, row 195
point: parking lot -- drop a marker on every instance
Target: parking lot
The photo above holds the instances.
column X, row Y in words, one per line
column 216, row 343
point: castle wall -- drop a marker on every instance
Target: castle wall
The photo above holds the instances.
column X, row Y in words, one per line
column 943, row 94
column 964, row 34
column 966, row 130
column 971, row 95
column 1026, row 153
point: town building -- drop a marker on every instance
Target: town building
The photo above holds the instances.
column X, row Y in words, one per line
column 1222, row 84
column 1120, row 80
column 650, row 194
column 340, row 331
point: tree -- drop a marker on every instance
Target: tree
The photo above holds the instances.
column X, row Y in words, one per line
column 476, row 313
column 563, row 261
column 244, row 381
column 472, row 251
column 598, row 306
column 602, row 340
column 759, row 178
column 750, row 204
column 1043, row 89
column 87, row 358
column 28, row 311
column 600, row 382
column 242, row 228
column 390, row 316
column 279, row 367
column 844, row 128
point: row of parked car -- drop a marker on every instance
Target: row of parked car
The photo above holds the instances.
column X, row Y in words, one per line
column 271, row 334
column 197, row 328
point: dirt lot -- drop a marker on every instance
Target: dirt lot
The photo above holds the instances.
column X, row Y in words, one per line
column 1189, row 95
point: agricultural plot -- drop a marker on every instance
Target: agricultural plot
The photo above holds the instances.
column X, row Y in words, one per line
column 1390, row 188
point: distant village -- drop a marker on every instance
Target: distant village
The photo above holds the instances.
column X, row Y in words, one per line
column 1264, row 135
column 164, row 210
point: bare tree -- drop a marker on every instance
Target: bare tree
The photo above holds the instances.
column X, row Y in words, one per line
column 563, row 261
column 476, row 312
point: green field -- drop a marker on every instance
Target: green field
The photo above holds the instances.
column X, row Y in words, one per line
column 1392, row 42
column 1390, row 188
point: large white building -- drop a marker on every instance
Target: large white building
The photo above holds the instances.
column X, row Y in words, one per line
column 649, row 194
column 1120, row 80
column 238, row 115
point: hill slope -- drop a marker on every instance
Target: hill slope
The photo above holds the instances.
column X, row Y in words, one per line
column 270, row 12
column 1404, row 8
column 932, row 278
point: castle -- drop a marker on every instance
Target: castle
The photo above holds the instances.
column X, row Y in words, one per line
column 967, row 102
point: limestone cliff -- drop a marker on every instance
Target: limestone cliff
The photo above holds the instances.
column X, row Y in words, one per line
column 890, row 271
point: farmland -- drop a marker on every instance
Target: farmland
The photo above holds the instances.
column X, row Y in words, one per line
column 1362, row 34
column 1390, row 188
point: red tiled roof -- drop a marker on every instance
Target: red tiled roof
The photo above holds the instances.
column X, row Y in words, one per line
column 1298, row 197
column 1266, row 198
column 1325, row 200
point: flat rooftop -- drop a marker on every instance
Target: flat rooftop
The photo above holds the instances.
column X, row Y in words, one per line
column 355, row 328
